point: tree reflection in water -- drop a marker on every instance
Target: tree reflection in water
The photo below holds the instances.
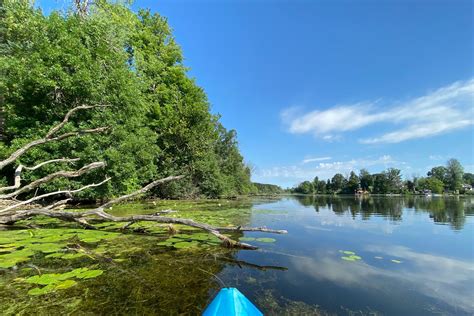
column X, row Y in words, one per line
column 443, row 210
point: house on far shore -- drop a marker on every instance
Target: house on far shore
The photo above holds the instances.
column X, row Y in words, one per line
column 360, row 192
column 467, row 187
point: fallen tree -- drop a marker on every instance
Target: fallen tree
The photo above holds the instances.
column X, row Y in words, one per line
column 15, row 210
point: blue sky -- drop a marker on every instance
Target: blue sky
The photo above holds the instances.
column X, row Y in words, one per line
column 320, row 87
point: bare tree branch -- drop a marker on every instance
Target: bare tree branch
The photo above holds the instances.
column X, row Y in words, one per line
column 41, row 141
column 18, row 170
column 140, row 191
column 252, row 229
column 80, row 217
column 49, row 136
column 69, row 160
column 56, row 128
column 58, row 204
column 10, row 213
column 98, row 214
column 39, row 197
column 63, row 174
column 16, row 181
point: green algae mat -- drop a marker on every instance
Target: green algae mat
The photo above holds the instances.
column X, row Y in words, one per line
column 59, row 267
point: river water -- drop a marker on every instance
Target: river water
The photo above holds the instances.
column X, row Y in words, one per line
column 342, row 255
column 416, row 254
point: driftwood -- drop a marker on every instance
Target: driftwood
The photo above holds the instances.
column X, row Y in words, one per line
column 15, row 211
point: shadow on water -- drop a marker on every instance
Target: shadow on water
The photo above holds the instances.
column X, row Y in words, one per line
column 443, row 210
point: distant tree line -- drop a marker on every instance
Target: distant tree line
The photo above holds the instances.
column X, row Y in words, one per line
column 451, row 210
column 449, row 178
column 263, row 188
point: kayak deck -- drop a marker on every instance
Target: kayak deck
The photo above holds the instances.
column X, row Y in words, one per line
column 230, row 302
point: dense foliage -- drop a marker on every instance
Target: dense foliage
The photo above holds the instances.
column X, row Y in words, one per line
column 160, row 120
column 263, row 188
column 449, row 178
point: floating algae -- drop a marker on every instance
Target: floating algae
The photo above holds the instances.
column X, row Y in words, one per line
column 350, row 255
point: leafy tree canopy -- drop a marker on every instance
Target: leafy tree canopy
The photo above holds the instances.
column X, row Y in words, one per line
column 159, row 120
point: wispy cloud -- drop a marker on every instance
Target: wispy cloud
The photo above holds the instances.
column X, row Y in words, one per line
column 444, row 110
column 308, row 160
column 292, row 174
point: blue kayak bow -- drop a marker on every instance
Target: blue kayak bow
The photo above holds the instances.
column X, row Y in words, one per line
column 231, row 302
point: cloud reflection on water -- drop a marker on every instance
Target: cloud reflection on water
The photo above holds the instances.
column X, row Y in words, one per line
column 447, row 280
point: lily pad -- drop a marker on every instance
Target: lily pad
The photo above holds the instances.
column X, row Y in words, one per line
column 55, row 255
column 41, row 291
column 183, row 245
column 348, row 258
column 10, row 263
column 46, row 247
column 351, row 258
column 65, row 284
column 247, row 239
column 347, row 252
column 265, row 239
column 45, row 279
column 10, row 260
column 165, row 243
column 52, row 287
column 70, row 256
column 90, row 274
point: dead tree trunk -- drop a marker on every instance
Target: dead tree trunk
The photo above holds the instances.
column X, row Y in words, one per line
column 15, row 210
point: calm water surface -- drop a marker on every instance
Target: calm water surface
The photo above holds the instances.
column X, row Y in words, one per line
column 429, row 239
column 410, row 256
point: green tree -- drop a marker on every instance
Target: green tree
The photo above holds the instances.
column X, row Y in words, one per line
column 321, row 187
column 435, row 185
column 431, row 183
column 305, row 187
column 394, row 179
column 454, row 174
column 381, row 183
column 315, row 184
column 439, row 173
column 337, row 183
column 352, row 184
column 366, row 180
column 264, row 188
column 410, row 185
column 159, row 119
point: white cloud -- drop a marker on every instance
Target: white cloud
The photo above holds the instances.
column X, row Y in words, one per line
column 293, row 174
column 444, row 110
column 308, row 160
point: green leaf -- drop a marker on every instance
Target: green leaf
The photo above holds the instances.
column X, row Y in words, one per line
column 41, row 291
column 65, row 284
column 247, row 239
column 90, row 274
column 265, row 239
